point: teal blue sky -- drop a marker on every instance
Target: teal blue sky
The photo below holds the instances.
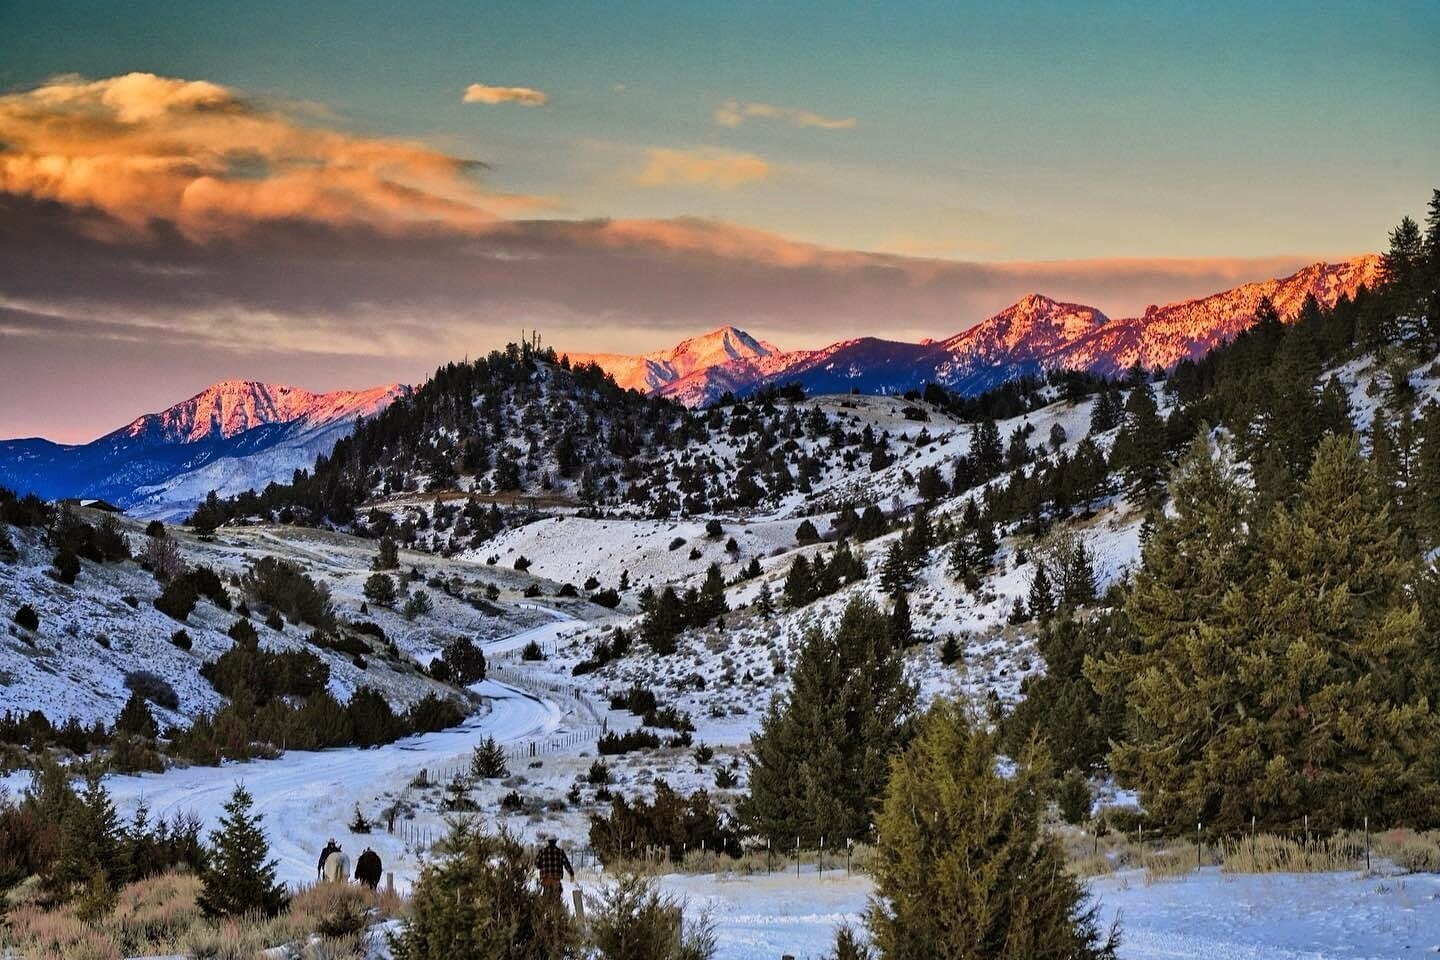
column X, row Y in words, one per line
column 981, row 131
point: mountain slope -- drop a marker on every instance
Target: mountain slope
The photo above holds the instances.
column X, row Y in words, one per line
column 1033, row 335
column 231, row 436
column 654, row 371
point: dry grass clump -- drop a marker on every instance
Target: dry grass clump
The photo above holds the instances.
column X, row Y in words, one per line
column 751, row 863
column 158, row 916
column 1269, row 853
column 1168, row 863
column 1410, row 851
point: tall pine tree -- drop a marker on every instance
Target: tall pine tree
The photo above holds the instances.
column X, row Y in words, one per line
column 239, row 877
column 819, row 761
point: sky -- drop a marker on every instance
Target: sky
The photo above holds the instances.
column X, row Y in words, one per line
column 337, row 195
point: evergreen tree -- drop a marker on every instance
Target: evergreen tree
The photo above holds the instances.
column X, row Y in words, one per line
column 136, row 719
column 954, row 832
column 238, row 878
column 799, row 584
column 1287, row 680
column 466, row 661
column 477, row 902
column 712, row 595
column 985, row 451
column 1185, row 609
column 764, row 602
column 90, row 842
column 388, row 557
column 1139, row 450
column 898, row 568
column 488, row 762
column 819, row 761
column 1078, row 586
column 664, row 623
column 1059, row 706
column 902, row 632
column 1042, row 597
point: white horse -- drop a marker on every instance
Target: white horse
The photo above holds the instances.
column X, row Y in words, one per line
column 336, row 869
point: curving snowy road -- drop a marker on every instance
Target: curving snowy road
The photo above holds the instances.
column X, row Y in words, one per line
column 307, row 797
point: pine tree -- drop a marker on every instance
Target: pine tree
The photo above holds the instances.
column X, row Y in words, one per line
column 135, row 718
column 1287, row 680
column 953, row 831
column 985, row 451
column 238, row 878
column 1186, row 609
column 466, row 661
column 487, row 762
column 902, row 632
column 764, row 602
column 1139, row 449
column 1078, row 585
column 896, row 571
column 90, row 841
column 799, row 584
column 1345, row 663
column 478, row 902
column 819, row 761
column 712, row 595
column 388, row 557
column 1042, row 597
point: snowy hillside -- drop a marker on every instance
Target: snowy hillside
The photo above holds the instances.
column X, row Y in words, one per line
column 230, row 437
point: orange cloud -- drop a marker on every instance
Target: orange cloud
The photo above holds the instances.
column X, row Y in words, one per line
column 732, row 113
column 140, row 147
column 524, row 96
column 701, row 166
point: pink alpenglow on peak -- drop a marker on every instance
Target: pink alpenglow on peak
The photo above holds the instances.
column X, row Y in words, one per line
column 232, row 407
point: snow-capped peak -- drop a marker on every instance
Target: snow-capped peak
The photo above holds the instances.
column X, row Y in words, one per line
column 231, row 407
column 657, row 369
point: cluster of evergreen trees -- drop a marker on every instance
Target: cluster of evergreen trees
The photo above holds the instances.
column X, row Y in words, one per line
column 1275, row 657
column 667, row 613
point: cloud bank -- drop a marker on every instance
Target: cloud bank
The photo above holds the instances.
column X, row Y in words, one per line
column 143, row 149
column 158, row 234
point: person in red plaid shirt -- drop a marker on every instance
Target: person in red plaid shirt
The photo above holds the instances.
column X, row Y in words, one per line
column 551, row 861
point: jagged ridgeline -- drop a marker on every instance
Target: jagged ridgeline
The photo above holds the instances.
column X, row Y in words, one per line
column 525, row 421
column 516, row 420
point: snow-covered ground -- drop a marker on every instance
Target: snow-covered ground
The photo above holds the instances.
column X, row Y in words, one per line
column 1326, row 916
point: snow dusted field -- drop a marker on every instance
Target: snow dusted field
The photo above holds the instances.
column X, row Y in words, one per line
column 1204, row 915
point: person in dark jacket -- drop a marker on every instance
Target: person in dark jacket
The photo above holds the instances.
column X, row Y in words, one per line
column 551, row 861
column 330, row 847
column 367, row 868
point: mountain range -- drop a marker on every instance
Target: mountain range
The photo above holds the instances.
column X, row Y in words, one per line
column 1033, row 335
column 242, row 434
column 232, row 436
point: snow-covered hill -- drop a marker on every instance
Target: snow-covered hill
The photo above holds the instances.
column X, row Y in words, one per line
column 233, row 436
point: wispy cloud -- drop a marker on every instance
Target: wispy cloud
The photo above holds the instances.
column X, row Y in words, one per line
column 701, row 166
column 524, row 96
column 732, row 113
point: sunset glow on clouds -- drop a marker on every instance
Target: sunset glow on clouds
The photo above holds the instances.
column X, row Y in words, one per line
column 701, row 166
column 524, row 96
column 333, row 195
column 732, row 113
column 201, row 156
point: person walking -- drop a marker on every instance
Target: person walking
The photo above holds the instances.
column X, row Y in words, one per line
column 330, row 847
column 367, row 868
column 552, row 862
